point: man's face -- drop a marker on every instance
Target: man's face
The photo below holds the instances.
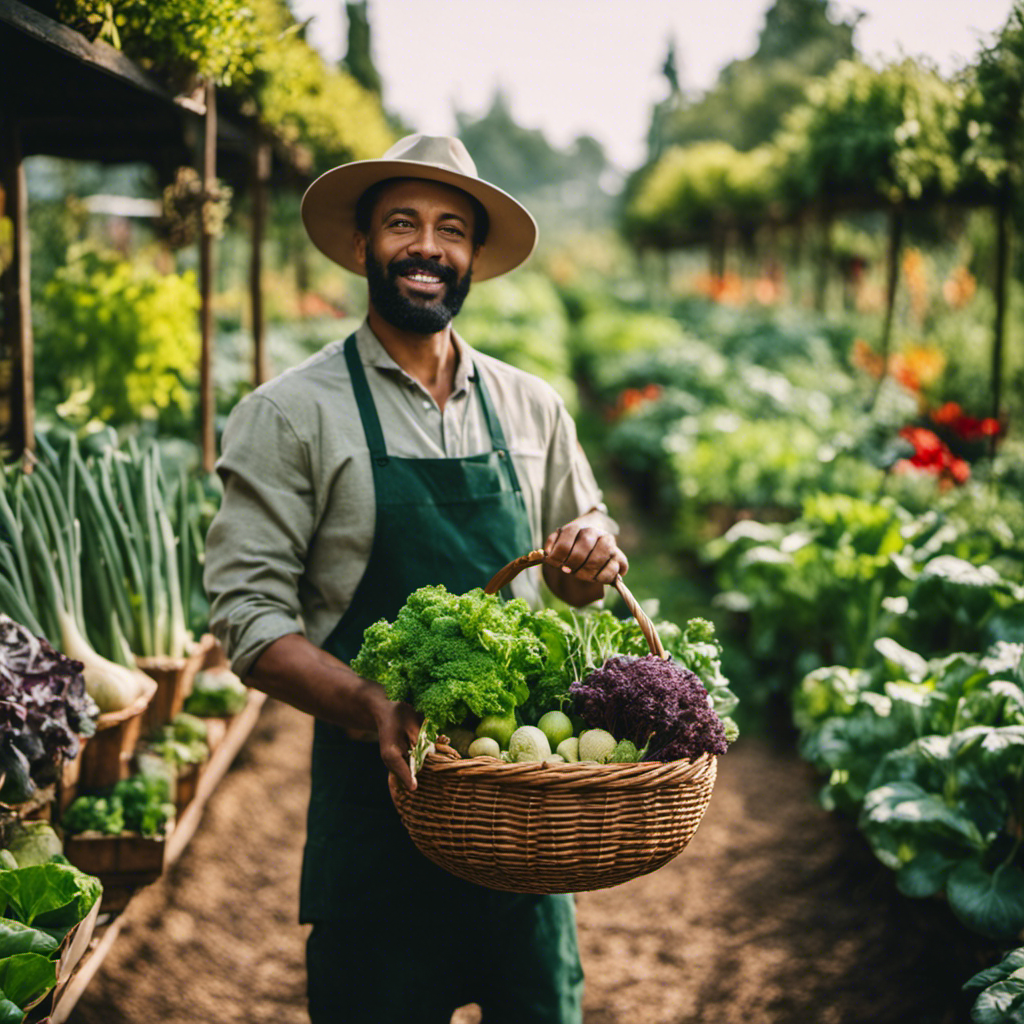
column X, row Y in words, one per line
column 418, row 254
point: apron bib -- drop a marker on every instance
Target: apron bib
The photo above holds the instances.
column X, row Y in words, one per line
column 453, row 522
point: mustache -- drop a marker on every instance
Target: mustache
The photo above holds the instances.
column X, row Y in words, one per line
column 414, row 263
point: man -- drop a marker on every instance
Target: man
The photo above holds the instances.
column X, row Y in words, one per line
column 396, row 459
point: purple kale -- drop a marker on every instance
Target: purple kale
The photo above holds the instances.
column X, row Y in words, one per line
column 651, row 699
column 44, row 707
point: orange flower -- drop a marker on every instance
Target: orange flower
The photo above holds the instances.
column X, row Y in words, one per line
column 864, row 357
column 630, row 399
column 917, row 366
column 958, row 289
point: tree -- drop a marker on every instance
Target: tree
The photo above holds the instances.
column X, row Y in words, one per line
column 874, row 139
column 358, row 60
column 559, row 185
column 994, row 116
column 799, row 42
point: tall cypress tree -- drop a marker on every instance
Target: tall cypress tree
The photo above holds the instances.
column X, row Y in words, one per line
column 358, row 60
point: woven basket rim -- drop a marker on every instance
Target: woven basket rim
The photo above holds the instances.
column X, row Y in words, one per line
column 111, row 718
column 570, row 774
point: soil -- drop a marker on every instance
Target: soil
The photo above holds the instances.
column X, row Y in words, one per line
column 776, row 913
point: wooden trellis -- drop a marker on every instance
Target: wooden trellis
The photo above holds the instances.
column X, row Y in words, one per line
column 63, row 95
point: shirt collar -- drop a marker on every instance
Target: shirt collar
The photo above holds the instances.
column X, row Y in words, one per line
column 373, row 353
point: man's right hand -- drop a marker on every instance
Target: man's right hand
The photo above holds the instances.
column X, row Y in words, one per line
column 398, row 728
column 294, row 670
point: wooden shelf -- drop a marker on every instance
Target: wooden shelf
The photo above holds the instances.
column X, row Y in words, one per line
column 235, row 735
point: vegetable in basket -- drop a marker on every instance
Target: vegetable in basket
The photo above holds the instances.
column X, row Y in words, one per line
column 216, row 693
column 451, row 656
column 44, row 710
column 651, row 702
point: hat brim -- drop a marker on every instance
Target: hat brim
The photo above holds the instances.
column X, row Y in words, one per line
column 328, row 212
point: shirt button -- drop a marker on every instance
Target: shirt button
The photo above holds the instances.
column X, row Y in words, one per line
column 427, row 405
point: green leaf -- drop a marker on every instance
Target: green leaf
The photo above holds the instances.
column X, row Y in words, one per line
column 1003, row 748
column 990, row 904
column 1001, row 1003
column 913, row 665
column 901, row 820
column 10, row 1013
column 962, row 573
column 50, row 892
column 26, row 977
column 16, row 937
column 1013, row 961
column 925, row 875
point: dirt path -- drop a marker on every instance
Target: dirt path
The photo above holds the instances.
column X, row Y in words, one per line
column 775, row 914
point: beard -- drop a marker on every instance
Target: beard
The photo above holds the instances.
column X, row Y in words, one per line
column 415, row 315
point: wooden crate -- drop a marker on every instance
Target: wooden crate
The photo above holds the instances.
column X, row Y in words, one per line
column 174, row 678
column 123, row 863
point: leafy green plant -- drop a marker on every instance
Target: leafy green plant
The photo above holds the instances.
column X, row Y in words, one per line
column 821, row 590
column 118, row 340
column 522, row 321
column 1000, row 991
column 929, row 755
column 141, row 803
column 175, row 38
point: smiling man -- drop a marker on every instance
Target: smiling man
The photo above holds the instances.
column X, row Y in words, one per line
column 397, row 458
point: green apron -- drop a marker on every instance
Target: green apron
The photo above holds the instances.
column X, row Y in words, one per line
column 389, row 924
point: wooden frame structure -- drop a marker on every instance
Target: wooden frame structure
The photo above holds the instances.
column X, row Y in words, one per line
column 63, row 95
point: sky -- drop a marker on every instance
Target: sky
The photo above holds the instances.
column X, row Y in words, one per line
column 572, row 67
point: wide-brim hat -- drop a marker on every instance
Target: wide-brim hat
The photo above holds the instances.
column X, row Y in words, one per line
column 329, row 205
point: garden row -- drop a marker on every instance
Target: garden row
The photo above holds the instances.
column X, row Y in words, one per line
column 120, row 713
column 866, row 555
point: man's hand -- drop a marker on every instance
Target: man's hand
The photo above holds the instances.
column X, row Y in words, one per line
column 294, row 670
column 580, row 559
column 398, row 727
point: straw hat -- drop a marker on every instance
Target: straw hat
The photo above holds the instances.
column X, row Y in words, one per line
column 328, row 207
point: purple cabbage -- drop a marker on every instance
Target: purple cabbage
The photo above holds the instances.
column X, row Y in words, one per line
column 44, row 709
column 651, row 699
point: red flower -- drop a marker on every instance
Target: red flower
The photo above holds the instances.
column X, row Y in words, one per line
column 967, row 427
column 932, row 455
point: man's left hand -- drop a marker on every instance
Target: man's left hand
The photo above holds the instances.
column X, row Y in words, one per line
column 580, row 559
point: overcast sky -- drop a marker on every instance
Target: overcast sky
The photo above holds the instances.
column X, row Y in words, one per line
column 572, row 67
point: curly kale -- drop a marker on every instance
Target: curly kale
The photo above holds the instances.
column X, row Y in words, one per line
column 654, row 703
column 450, row 655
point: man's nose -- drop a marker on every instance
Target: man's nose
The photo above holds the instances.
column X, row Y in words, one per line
column 426, row 243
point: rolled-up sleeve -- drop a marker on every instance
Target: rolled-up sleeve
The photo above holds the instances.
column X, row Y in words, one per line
column 257, row 544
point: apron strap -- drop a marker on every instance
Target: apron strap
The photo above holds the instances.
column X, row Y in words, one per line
column 494, row 426
column 367, row 410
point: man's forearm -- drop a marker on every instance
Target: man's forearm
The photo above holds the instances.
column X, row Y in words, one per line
column 297, row 672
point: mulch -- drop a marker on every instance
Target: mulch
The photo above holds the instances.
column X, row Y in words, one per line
column 775, row 914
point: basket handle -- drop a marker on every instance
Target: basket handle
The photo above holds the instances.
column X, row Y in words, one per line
column 513, row 569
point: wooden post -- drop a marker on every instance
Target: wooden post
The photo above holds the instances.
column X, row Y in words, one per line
column 207, row 409
column 824, row 259
column 16, row 349
column 260, row 177
column 1002, row 215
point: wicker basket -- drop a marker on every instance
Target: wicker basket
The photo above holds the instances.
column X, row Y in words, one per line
column 542, row 827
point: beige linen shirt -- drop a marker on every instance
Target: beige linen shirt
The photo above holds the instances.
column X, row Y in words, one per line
column 292, row 538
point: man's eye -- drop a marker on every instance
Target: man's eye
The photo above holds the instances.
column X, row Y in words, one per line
column 452, row 230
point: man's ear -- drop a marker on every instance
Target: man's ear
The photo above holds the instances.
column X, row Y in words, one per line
column 359, row 248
